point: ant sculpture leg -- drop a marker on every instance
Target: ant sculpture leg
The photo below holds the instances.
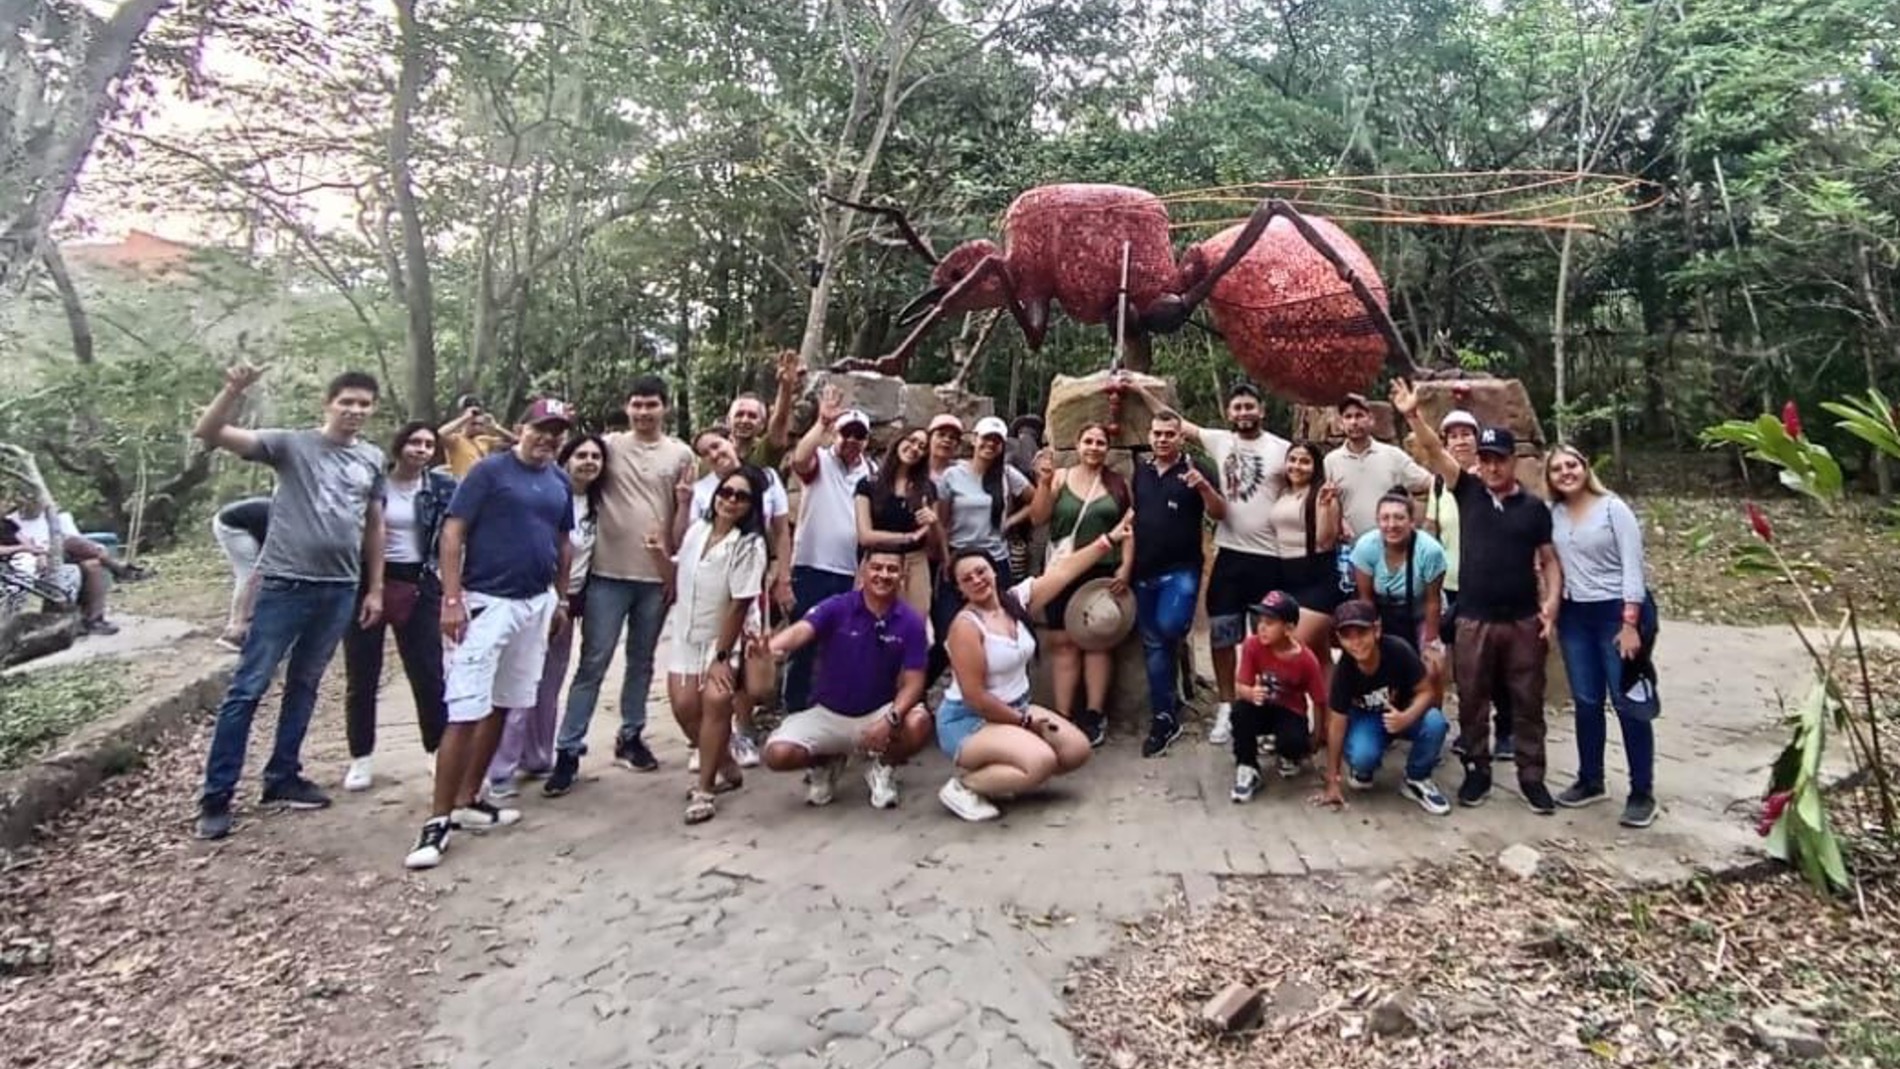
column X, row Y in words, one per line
column 896, row 218
column 1171, row 316
column 1033, row 322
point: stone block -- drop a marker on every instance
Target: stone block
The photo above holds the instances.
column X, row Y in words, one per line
column 1235, row 1009
column 1077, row 402
column 1520, row 860
column 880, row 396
column 923, row 402
column 1128, row 706
column 1321, row 424
column 1496, row 403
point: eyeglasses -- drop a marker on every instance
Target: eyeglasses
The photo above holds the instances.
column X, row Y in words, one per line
column 733, row 493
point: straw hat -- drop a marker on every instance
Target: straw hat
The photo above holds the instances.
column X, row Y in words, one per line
column 1098, row 618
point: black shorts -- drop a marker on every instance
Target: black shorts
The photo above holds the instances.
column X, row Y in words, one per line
column 1313, row 581
column 1240, row 580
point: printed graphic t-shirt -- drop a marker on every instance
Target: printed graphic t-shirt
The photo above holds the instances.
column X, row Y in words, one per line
column 1252, row 474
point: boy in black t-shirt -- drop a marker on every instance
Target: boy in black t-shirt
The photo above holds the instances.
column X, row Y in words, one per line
column 1380, row 693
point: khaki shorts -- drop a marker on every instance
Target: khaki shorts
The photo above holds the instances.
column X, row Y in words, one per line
column 824, row 733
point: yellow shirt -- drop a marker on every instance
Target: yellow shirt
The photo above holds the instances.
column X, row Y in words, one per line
column 1441, row 509
column 461, row 451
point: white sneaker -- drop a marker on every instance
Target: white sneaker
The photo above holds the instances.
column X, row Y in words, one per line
column 882, row 779
column 745, row 751
column 821, row 781
column 965, row 802
column 358, row 777
column 503, row 789
column 692, row 760
column 483, row 815
column 1246, row 783
column 1222, row 733
column 430, row 845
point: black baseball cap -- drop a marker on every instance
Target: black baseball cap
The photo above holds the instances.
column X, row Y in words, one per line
column 1498, row 440
column 1243, row 388
column 1355, row 613
column 1280, row 605
column 1355, row 400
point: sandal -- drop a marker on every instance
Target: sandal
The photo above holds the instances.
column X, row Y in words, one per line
column 728, row 779
column 699, row 807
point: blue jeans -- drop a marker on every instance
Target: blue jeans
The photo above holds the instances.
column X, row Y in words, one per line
column 809, row 587
column 290, row 618
column 1586, row 633
column 1367, row 740
column 1164, row 610
column 639, row 605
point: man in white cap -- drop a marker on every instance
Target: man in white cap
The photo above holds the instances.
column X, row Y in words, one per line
column 504, row 572
column 829, row 460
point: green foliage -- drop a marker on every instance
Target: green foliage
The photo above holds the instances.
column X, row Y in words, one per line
column 37, row 709
column 1804, row 466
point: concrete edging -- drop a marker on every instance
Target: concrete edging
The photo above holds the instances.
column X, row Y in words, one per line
column 31, row 796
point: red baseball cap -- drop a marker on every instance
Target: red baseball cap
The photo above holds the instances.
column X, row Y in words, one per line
column 549, row 410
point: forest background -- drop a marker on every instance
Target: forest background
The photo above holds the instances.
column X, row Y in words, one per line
column 514, row 197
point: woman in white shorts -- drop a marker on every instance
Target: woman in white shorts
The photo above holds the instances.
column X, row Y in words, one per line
column 719, row 573
column 1002, row 745
column 239, row 528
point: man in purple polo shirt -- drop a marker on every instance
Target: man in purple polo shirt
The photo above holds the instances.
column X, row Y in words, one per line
column 867, row 689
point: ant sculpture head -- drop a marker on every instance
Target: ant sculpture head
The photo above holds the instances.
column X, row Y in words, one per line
column 985, row 292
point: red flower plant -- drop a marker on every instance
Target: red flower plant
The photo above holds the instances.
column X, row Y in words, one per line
column 1771, row 808
column 1759, row 521
column 1791, row 420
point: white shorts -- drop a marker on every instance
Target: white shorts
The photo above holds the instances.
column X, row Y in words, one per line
column 824, row 733
column 498, row 664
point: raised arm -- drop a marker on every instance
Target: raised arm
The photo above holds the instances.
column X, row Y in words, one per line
column 214, row 427
column 1190, row 431
column 778, row 428
column 1048, row 478
column 1437, row 459
column 818, row 435
column 1046, row 586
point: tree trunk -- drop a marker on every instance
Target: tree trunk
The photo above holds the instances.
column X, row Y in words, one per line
column 69, row 302
column 683, row 360
column 419, row 292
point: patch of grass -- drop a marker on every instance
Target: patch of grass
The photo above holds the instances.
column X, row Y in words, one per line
column 37, row 709
column 1876, row 1041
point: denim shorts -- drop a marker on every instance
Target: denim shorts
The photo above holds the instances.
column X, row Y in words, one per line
column 957, row 721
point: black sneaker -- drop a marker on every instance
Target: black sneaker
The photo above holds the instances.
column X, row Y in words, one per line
column 1458, row 747
column 1580, row 794
column 1537, row 796
column 297, row 793
column 1476, row 787
column 567, row 769
column 630, row 751
column 1639, row 812
column 1094, row 727
column 101, row 626
column 1162, row 731
column 214, row 820
column 1504, row 749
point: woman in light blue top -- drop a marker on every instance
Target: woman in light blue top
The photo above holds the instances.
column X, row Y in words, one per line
column 1601, row 626
column 1401, row 569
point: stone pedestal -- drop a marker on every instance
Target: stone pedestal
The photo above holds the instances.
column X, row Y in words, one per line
column 1076, row 402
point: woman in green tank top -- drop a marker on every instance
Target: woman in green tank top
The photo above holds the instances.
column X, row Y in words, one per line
column 1080, row 504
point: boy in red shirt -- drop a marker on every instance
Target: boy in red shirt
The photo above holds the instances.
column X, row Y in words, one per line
column 1277, row 686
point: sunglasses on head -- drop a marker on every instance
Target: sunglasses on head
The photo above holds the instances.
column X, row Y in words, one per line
column 733, row 493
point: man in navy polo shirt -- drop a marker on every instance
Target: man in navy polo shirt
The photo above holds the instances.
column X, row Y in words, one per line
column 1172, row 493
column 867, row 686
column 1504, row 619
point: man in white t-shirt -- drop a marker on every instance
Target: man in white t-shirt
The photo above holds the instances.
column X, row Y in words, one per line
column 29, row 531
column 1366, row 469
column 829, row 460
column 1251, row 462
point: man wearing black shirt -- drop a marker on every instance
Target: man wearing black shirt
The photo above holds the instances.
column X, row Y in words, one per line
column 1380, row 692
column 1504, row 622
column 1172, row 495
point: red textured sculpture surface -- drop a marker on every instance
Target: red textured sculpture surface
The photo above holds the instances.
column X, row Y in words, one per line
column 1287, row 316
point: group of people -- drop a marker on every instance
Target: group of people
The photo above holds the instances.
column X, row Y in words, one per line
column 887, row 576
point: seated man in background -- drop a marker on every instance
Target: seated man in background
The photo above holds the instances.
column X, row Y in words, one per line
column 27, row 541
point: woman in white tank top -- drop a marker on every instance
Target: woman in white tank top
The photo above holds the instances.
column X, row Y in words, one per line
column 1002, row 745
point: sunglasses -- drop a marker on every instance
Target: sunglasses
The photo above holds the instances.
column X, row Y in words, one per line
column 733, row 493
column 853, row 430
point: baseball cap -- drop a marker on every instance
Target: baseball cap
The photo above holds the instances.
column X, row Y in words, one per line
column 989, row 425
column 549, row 410
column 1355, row 400
column 1497, row 440
column 1355, row 613
column 1280, row 605
column 854, row 415
column 1458, row 417
column 945, row 421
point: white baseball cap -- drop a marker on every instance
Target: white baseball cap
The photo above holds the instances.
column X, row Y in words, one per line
column 1458, row 417
column 989, row 425
column 854, row 415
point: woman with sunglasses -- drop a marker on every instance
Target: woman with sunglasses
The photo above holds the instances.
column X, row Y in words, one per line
column 897, row 509
column 718, row 575
column 1002, row 746
column 1605, row 627
column 1080, row 504
column 415, row 503
column 981, row 499
column 527, row 743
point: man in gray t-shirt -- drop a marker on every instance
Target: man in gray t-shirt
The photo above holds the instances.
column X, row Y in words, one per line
column 325, row 535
